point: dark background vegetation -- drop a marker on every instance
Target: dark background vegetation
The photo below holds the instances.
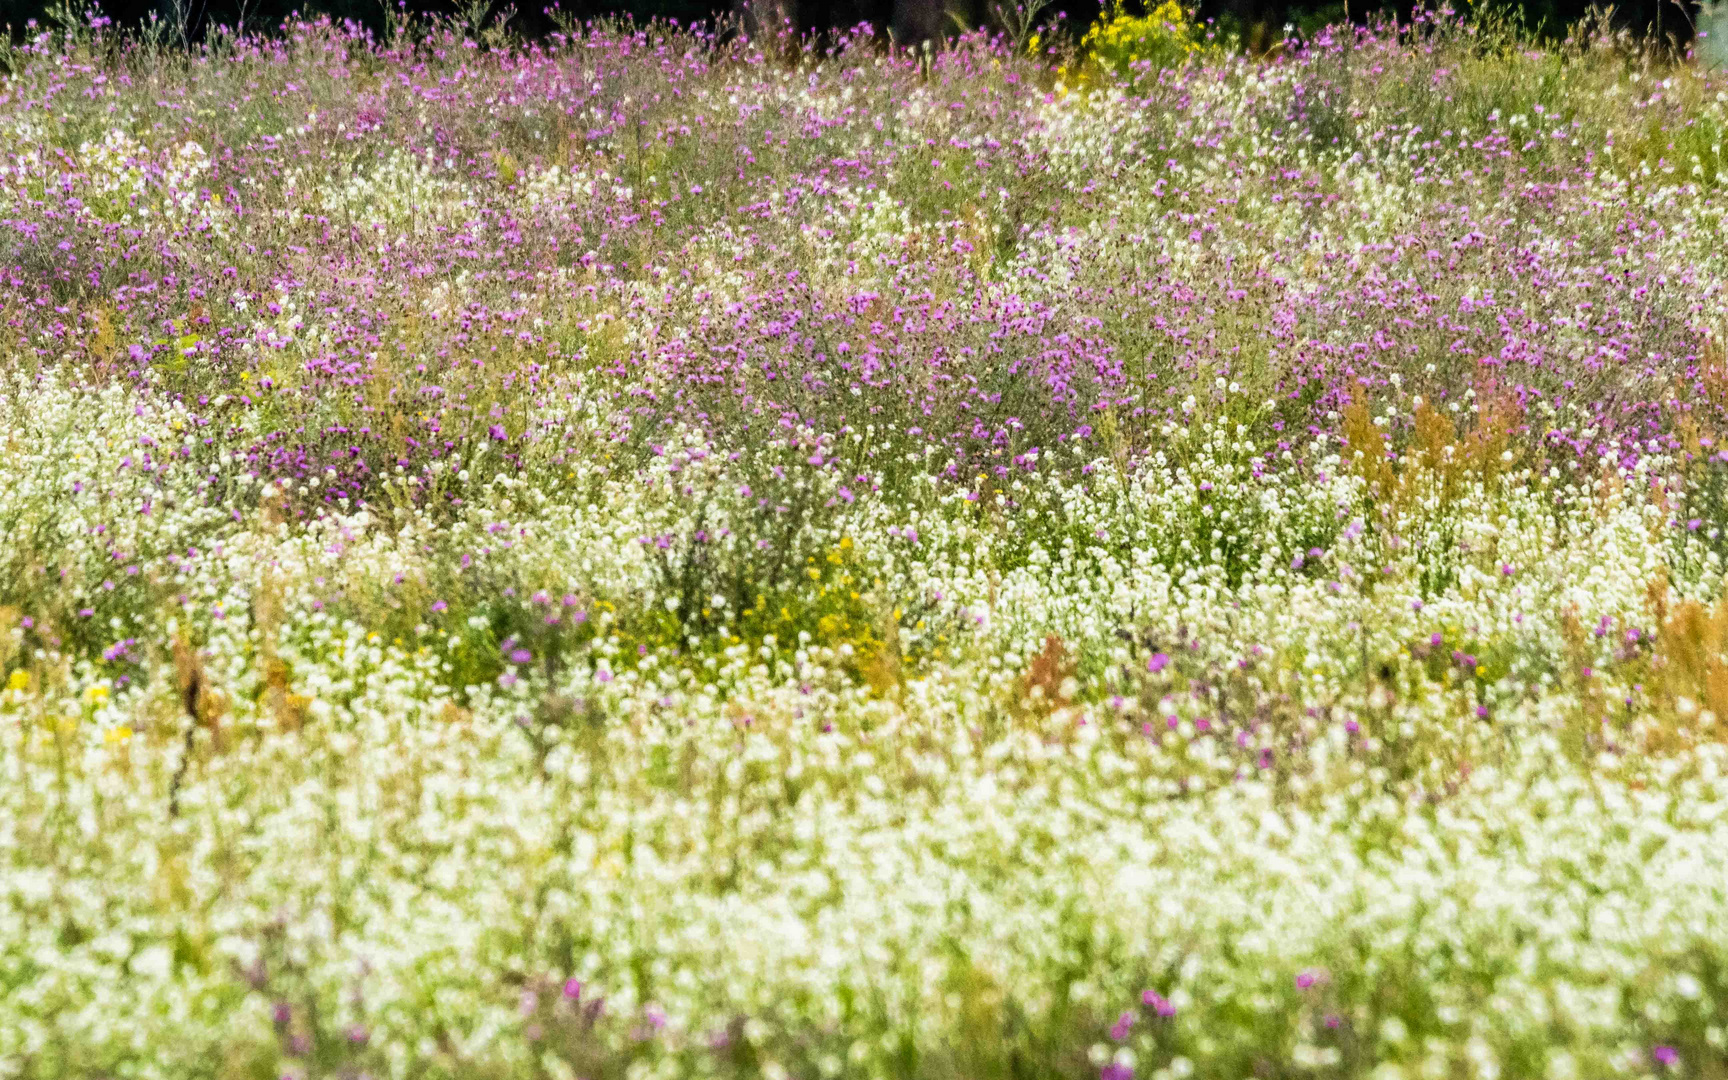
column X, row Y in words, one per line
column 1258, row 22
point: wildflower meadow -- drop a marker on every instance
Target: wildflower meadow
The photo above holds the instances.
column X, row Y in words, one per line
column 650, row 553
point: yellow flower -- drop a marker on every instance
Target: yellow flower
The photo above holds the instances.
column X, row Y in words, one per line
column 1120, row 42
column 19, row 680
column 95, row 695
column 117, row 736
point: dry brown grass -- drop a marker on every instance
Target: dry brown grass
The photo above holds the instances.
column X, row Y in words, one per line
column 1435, row 457
column 1690, row 674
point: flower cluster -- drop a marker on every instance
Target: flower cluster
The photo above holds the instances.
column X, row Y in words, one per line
column 1123, row 44
column 641, row 555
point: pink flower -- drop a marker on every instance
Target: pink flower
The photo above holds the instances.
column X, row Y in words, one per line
column 1119, row 1031
column 1158, row 1003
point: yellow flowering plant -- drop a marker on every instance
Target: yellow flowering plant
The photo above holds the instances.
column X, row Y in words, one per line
column 1124, row 45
